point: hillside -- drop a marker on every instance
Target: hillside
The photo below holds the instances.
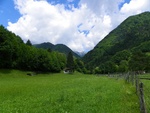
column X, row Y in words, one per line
column 131, row 35
column 15, row 54
column 58, row 47
column 45, row 45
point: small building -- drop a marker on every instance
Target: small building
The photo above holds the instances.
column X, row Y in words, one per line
column 68, row 70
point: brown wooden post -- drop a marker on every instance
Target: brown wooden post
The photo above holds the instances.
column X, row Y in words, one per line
column 128, row 78
column 142, row 102
column 137, row 84
column 132, row 79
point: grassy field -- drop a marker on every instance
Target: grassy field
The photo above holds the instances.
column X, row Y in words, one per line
column 146, row 89
column 64, row 93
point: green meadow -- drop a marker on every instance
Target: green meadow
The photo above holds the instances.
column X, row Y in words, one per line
column 65, row 93
column 146, row 90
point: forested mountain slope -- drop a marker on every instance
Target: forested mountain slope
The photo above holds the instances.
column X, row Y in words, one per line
column 15, row 54
column 58, row 47
column 130, row 36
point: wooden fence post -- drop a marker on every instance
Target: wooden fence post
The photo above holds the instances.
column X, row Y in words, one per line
column 142, row 103
column 132, row 79
column 137, row 84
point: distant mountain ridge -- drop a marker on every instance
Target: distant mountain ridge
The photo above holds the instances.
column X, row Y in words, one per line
column 81, row 54
column 131, row 35
column 58, row 47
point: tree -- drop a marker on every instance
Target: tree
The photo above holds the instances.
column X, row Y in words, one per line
column 79, row 66
column 70, row 61
column 121, row 55
column 123, row 67
column 97, row 70
column 14, row 54
column 49, row 50
column 110, row 67
column 28, row 43
column 138, row 61
column 6, row 55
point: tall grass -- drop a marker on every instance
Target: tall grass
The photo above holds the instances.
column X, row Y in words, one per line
column 146, row 90
column 64, row 93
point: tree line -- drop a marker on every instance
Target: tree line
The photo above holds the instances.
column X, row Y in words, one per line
column 15, row 54
column 125, row 61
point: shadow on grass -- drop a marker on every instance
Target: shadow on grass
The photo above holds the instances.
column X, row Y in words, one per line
column 5, row 71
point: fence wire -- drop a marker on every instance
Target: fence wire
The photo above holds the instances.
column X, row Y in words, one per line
column 147, row 94
column 142, row 92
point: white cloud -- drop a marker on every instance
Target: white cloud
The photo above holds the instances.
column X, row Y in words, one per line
column 135, row 6
column 80, row 28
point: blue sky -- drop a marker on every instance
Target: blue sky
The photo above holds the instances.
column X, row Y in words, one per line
column 8, row 12
column 80, row 24
column 125, row 1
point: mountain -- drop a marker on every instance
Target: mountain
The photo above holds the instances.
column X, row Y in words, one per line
column 58, row 47
column 45, row 45
column 81, row 54
column 131, row 35
column 15, row 54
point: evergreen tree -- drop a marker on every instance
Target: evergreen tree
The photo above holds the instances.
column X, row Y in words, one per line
column 49, row 50
column 28, row 43
column 138, row 61
column 70, row 61
column 14, row 54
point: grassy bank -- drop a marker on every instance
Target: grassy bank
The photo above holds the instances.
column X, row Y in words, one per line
column 63, row 93
column 146, row 90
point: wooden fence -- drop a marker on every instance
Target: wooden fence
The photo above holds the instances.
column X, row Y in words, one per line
column 132, row 77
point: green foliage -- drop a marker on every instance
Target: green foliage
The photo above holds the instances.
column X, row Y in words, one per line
column 79, row 66
column 9, row 46
column 97, row 70
column 28, row 43
column 41, row 60
column 121, row 55
column 15, row 54
column 144, row 47
column 124, row 66
column 116, row 49
column 109, row 67
column 139, row 61
column 70, row 61
column 58, row 47
column 61, row 93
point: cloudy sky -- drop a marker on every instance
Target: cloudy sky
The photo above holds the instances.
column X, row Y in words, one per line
column 79, row 24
